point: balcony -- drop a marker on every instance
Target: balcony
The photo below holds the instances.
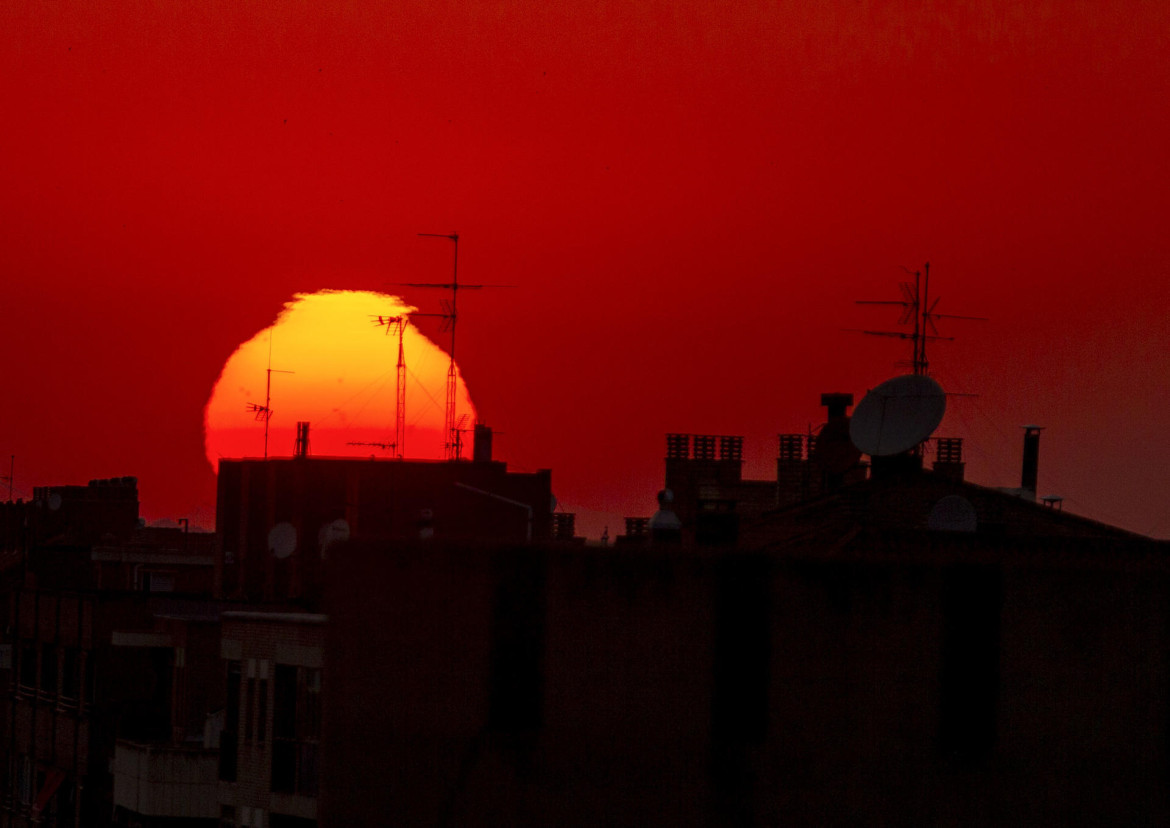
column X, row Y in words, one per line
column 166, row 781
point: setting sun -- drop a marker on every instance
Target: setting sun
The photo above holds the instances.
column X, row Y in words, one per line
column 333, row 366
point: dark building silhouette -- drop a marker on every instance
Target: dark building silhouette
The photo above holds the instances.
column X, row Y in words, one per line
column 276, row 518
column 897, row 646
column 88, row 659
column 844, row 662
column 394, row 642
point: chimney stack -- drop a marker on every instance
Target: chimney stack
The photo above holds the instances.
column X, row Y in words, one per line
column 302, row 445
column 837, row 403
column 481, row 449
column 1031, row 469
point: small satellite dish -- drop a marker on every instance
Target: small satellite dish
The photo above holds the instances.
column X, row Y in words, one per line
column 332, row 533
column 54, row 501
column 953, row 513
column 833, row 450
column 897, row 415
column 282, row 540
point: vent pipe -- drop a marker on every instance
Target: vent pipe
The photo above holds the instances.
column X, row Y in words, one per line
column 1031, row 468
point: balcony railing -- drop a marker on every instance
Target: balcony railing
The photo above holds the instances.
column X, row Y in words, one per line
column 165, row 780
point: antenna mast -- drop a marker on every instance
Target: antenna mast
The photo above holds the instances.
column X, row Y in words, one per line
column 452, row 444
column 452, row 441
column 919, row 311
column 264, row 412
column 390, row 323
column 11, row 476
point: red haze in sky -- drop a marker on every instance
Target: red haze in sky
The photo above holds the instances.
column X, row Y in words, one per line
column 688, row 200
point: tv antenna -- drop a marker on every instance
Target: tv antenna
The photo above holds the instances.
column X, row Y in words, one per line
column 918, row 311
column 459, row 430
column 451, row 312
column 392, row 324
column 11, row 478
column 264, row 412
column 383, row 446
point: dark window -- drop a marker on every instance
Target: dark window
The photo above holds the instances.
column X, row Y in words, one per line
column 262, row 712
column 286, row 821
column 969, row 675
column 743, row 651
column 296, row 729
column 515, row 690
column 71, row 674
column 28, row 664
column 284, row 728
column 740, row 678
column 249, row 709
column 24, row 780
column 229, row 737
column 48, row 670
column 65, row 802
column 90, row 687
column 227, row 816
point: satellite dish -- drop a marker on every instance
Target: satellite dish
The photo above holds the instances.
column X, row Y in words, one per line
column 55, row 501
column 833, row 450
column 952, row 514
column 897, row 415
column 282, row 540
column 332, row 533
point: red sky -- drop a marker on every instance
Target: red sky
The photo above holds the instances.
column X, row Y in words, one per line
column 687, row 198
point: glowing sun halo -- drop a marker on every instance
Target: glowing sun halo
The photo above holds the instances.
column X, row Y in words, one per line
column 343, row 383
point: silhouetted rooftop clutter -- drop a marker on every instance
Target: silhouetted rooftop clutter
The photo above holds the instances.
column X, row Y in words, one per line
column 389, row 641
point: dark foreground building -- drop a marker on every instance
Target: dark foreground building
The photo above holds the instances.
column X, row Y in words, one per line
column 277, row 518
column 852, row 659
column 380, row 642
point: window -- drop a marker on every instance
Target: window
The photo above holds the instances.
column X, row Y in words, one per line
column 743, row 653
column 24, row 779
column 262, row 711
column 70, row 674
column 249, row 709
column 227, row 816
column 230, row 736
column 515, row 681
column 48, row 670
column 65, row 802
column 28, row 664
column 158, row 581
column 296, row 729
column 969, row 675
column 90, row 688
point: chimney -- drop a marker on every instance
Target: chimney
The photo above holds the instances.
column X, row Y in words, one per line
column 481, row 450
column 1031, row 469
column 838, row 404
column 302, row 445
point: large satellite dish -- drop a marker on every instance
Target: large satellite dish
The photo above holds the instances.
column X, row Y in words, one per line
column 897, row 415
column 954, row 513
column 332, row 533
column 282, row 540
